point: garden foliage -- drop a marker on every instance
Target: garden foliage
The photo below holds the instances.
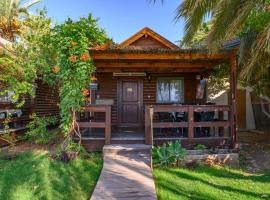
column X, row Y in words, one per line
column 38, row 129
column 170, row 154
column 55, row 54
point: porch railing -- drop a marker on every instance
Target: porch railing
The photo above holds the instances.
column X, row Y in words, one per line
column 190, row 123
column 92, row 124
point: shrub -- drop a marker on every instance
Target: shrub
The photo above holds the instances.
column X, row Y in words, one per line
column 169, row 154
column 37, row 129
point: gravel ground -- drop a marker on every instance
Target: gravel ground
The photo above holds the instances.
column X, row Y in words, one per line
column 254, row 151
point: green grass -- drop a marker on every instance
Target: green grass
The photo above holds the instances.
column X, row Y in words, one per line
column 210, row 183
column 36, row 176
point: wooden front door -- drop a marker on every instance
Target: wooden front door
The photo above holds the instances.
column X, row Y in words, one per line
column 130, row 97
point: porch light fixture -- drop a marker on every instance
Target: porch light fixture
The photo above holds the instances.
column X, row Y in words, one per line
column 93, row 78
column 149, row 77
column 143, row 74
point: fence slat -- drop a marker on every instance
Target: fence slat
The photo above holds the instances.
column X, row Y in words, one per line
column 108, row 125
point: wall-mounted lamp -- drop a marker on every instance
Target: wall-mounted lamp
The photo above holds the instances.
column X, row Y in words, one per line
column 198, row 77
column 149, row 77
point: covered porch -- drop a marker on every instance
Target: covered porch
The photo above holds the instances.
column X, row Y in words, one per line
column 145, row 90
column 194, row 121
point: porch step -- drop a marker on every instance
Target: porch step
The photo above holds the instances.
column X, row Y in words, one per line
column 135, row 140
column 120, row 149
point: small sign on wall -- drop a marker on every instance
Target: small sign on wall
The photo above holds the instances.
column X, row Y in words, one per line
column 93, row 86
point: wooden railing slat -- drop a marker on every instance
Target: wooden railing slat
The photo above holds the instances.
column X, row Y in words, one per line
column 108, row 125
column 190, row 122
column 97, row 108
column 149, row 125
column 212, row 124
column 170, row 125
column 92, row 124
column 210, row 108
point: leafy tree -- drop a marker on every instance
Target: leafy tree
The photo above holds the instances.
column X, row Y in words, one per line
column 29, row 58
column 198, row 41
column 25, row 61
column 11, row 13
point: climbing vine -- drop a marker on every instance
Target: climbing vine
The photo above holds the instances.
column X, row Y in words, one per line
column 74, row 65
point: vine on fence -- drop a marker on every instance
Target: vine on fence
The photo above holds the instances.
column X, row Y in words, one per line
column 74, row 65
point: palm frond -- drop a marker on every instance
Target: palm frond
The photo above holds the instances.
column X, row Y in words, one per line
column 194, row 12
column 229, row 16
column 259, row 62
column 29, row 4
column 247, row 42
column 12, row 12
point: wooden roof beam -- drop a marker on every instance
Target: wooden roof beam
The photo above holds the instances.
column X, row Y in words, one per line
column 155, row 65
column 153, row 70
column 159, row 56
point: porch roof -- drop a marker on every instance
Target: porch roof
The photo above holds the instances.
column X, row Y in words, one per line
column 149, row 51
column 158, row 60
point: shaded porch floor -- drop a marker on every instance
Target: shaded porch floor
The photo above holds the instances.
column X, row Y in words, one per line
column 131, row 133
column 117, row 133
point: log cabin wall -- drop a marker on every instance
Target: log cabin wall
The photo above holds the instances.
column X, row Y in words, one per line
column 47, row 100
column 148, row 43
column 107, row 88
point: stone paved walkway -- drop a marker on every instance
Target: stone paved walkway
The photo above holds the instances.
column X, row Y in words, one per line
column 125, row 175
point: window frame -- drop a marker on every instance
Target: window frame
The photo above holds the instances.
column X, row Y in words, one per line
column 169, row 79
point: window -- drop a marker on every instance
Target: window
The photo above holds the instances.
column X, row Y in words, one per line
column 6, row 98
column 170, row 90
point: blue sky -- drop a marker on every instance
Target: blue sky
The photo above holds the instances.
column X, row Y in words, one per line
column 121, row 18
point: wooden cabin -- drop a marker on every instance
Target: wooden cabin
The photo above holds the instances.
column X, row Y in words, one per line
column 148, row 90
column 45, row 103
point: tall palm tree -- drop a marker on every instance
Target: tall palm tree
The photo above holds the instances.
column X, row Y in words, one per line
column 11, row 13
column 248, row 20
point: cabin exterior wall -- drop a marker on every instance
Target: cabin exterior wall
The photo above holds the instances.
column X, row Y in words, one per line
column 107, row 88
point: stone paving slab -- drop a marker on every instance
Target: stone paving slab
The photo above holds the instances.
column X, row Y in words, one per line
column 125, row 176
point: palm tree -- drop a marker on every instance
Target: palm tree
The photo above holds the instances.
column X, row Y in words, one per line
column 248, row 20
column 11, row 14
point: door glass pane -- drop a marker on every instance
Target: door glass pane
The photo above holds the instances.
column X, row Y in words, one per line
column 175, row 91
column 163, row 91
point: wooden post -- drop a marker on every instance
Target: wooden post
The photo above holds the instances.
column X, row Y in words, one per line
column 233, row 85
column 108, row 125
column 190, row 122
column 149, row 112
